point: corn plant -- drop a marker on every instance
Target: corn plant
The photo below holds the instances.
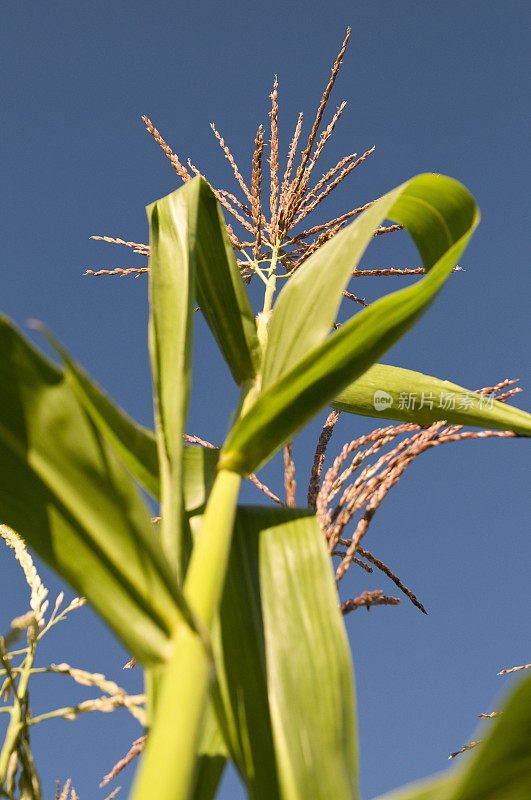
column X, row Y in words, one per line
column 232, row 611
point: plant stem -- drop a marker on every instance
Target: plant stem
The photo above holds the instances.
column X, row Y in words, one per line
column 171, row 749
column 265, row 315
column 17, row 721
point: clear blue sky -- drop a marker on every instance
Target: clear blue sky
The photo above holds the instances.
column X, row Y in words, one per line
column 437, row 87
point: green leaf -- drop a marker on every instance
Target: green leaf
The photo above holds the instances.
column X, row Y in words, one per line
column 441, row 216
column 190, row 254
column 311, row 694
column 436, row 210
column 65, row 491
column 199, row 474
column 135, row 444
column 220, row 290
column 240, row 693
column 394, row 393
column 171, row 296
column 213, row 755
column 287, row 712
column 436, row 788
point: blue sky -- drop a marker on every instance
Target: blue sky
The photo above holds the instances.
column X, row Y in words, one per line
column 436, row 87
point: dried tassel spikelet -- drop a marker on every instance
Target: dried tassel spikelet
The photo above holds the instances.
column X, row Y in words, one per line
column 289, row 475
column 135, row 750
column 319, row 457
column 331, row 186
column 117, row 271
column 232, row 162
column 295, row 198
column 368, row 599
column 273, row 160
column 332, row 222
column 112, row 240
column 181, row 170
column 326, row 177
column 256, row 186
column 514, row 669
column 396, row 580
column 322, row 141
column 289, row 166
column 463, row 749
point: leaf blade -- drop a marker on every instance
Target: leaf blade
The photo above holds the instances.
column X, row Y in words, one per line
column 307, row 306
column 135, row 444
column 221, row 293
column 286, row 406
column 65, row 491
column 384, row 392
column 171, row 301
column 279, row 581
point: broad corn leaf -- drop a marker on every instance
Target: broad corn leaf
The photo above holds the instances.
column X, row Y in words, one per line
column 190, row 256
column 311, row 695
column 287, row 711
column 438, row 787
column 171, row 296
column 441, row 229
column 240, row 694
column 213, row 755
column 389, row 392
column 220, row 291
column 436, row 210
column 219, row 288
column 135, row 444
column 66, row 492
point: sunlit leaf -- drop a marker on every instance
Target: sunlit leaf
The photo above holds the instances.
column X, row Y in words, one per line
column 436, row 210
column 135, row 444
column 220, row 290
column 213, row 755
column 171, row 301
column 389, row 392
column 441, row 216
column 287, row 711
column 438, row 787
column 66, row 492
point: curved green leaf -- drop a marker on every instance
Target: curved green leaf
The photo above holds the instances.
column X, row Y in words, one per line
column 65, row 491
column 220, row 290
column 389, row 392
column 436, row 210
column 287, row 712
column 310, row 686
column 135, row 444
column 171, row 300
column 436, row 788
column 199, row 474
column 440, row 228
